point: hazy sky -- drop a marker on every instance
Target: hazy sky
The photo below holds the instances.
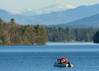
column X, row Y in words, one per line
column 23, row 5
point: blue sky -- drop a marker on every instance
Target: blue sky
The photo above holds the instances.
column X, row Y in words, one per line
column 17, row 6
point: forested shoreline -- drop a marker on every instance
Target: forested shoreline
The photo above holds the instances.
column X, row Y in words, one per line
column 68, row 34
column 12, row 33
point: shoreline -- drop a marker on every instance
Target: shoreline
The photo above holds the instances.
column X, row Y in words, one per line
column 55, row 44
column 71, row 43
column 53, row 47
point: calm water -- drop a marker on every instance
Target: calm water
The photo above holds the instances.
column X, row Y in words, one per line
column 42, row 58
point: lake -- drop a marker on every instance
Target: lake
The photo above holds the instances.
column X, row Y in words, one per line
column 42, row 58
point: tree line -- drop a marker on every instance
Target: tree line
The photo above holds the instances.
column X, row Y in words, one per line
column 70, row 34
column 12, row 33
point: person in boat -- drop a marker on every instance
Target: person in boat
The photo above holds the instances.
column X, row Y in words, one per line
column 64, row 61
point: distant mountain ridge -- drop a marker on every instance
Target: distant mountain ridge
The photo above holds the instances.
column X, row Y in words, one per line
column 21, row 19
column 55, row 18
column 92, row 21
column 68, row 15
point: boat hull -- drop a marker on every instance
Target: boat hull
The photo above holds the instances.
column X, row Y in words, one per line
column 63, row 65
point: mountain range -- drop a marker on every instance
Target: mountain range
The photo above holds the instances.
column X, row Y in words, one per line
column 91, row 21
column 88, row 15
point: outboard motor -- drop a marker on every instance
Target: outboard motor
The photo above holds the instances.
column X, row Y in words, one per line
column 69, row 64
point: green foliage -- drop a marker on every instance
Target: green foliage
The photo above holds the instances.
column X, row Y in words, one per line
column 14, row 34
column 40, row 34
column 68, row 34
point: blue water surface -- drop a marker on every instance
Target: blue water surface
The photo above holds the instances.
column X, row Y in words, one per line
column 42, row 58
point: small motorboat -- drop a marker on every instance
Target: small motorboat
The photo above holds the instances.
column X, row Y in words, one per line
column 63, row 62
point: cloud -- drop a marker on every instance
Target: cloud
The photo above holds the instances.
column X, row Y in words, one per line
column 66, row 6
column 54, row 8
column 57, row 7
